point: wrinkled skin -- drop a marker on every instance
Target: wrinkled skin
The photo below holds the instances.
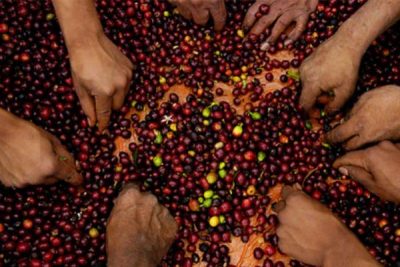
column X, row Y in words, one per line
column 336, row 75
column 101, row 76
column 139, row 231
column 377, row 168
column 31, row 156
column 281, row 14
column 309, row 232
column 374, row 118
column 201, row 10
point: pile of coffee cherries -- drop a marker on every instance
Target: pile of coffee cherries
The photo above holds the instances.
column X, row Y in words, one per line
column 211, row 166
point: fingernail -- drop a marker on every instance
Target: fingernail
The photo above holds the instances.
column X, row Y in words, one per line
column 265, row 46
column 287, row 42
column 343, row 171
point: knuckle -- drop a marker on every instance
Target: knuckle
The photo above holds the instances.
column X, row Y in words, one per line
column 49, row 166
column 108, row 91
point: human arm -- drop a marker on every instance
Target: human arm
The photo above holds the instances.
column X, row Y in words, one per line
column 374, row 118
column 31, row 156
column 101, row 72
column 201, row 10
column 377, row 168
column 281, row 14
column 309, row 232
column 338, row 59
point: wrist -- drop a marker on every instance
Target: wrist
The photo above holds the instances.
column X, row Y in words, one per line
column 84, row 42
column 354, row 42
column 79, row 22
column 348, row 251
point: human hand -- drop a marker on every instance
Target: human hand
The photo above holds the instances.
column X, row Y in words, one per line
column 200, row 11
column 373, row 118
column 31, row 156
column 331, row 69
column 377, row 168
column 309, row 232
column 101, row 76
column 139, row 230
column 282, row 14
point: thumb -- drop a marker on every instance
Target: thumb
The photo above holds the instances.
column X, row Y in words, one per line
column 338, row 101
column 288, row 190
column 66, row 169
column 358, row 174
column 354, row 158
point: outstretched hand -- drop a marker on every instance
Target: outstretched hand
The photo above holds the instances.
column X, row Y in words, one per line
column 281, row 14
column 101, row 76
column 375, row 117
column 201, row 10
column 309, row 232
column 332, row 69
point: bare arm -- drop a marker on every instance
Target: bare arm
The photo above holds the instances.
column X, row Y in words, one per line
column 78, row 20
column 101, row 73
column 343, row 52
column 368, row 22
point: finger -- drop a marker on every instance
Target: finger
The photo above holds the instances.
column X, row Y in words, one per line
column 279, row 206
column 103, row 111
column 218, row 13
column 50, row 180
column 287, row 191
column 263, row 23
column 87, row 104
column 119, row 98
column 301, row 23
column 250, row 17
column 66, row 169
column 185, row 12
column 338, row 101
column 309, row 95
column 279, row 27
column 358, row 174
column 356, row 142
column 357, row 107
column 200, row 16
column 354, row 158
column 344, row 131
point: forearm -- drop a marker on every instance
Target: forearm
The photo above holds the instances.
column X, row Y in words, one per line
column 372, row 19
column 79, row 21
column 349, row 252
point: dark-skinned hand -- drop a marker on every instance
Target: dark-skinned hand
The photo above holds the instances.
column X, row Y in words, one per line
column 31, row 156
column 281, row 14
column 139, row 231
column 377, row 168
column 201, row 10
column 374, row 118
column 311, row 233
